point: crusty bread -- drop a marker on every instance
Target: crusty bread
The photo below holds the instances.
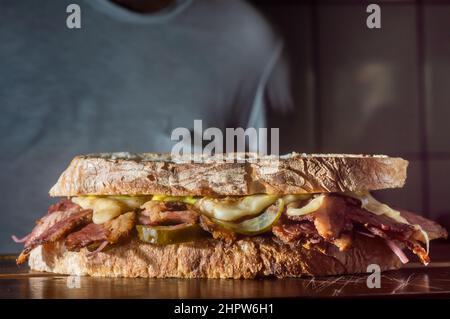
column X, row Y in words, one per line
column 247, row 258
column 147, row 173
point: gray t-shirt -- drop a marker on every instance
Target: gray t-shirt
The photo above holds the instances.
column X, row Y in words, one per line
column 122, row 82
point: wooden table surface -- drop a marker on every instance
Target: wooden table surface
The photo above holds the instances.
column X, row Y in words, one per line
column 413, row 280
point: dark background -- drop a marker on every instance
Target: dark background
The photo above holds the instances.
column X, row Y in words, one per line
column 360, row 90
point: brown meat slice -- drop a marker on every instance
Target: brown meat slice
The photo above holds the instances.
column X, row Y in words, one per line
column 112, row 231
column 56, row 213
column 418, row 250
column 155, row 207
column 330, row 219
column 92, row 233
column 158, row 213
column 339, row 214
column 389, row 229
column 407, row 234
column 411, row 244
column 433, row 229
column 290, row 231
column 121, row 227
column 62, row 205
column 390, row 226
column 217, row 231
column 405, row 231
column 169, row 218
column 55, row 230
column 343, row 242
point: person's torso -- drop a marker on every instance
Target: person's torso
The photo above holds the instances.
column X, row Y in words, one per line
column 120, row 83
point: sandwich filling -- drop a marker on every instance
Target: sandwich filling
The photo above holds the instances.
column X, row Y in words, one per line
column 99, row 222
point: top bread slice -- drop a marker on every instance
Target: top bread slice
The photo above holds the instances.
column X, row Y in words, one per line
column 152, row 173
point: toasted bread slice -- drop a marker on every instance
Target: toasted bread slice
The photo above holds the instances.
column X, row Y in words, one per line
column 247, row 258
column 151, row 173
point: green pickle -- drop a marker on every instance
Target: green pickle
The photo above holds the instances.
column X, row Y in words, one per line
column 166, row 235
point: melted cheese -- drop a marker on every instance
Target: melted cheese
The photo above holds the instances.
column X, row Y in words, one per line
column 107, row 208
column 372, row 205
column 232, row 209
column 309, row 208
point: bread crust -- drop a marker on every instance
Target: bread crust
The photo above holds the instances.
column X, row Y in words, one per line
column 247, row 258
column 147, row 174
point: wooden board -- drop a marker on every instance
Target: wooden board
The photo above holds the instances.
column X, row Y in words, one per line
column 413, row 280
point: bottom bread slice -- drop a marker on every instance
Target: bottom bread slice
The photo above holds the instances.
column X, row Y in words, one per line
column 247, row 258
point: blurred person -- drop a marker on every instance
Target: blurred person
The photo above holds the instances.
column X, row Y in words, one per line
column 133, row 72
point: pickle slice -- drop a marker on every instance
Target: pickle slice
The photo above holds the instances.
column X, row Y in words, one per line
column 166, row 235
column 257, row 225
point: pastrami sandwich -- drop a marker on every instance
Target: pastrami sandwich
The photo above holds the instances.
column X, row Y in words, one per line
column 153, row 215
